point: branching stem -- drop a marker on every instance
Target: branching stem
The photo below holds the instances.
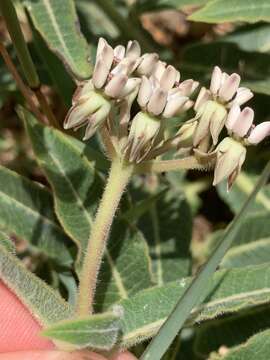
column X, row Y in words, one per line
column 118, row 179
column 156, row 166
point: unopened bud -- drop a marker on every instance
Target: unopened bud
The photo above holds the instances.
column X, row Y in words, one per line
column 231, row 155
column 211, row 117
column 143, row 132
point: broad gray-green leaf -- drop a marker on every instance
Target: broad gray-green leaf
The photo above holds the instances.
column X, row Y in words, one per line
column 26, row 209
column 225, row 332
column 253, row 253
column 126, row 266
column 76, row 191
column 251, row 38
column 240, row 192
column 41, row 300
column 230, row 291
column 98, row 331
column 95, row 21
column 254, row 227
column 217, row 11
column 167, row 228
column 7, row 242
column 58, row 24
column 257, row 347
column 72, row 177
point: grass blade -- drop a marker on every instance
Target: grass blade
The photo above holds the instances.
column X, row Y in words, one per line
column 198, row 289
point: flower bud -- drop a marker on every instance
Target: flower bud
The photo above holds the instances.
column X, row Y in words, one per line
column 184, row 136
column 143, row 133
column 211, row 117
column 88, row 108
column 231, row 155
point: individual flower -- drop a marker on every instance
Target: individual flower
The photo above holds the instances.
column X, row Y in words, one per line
column 231, row 152
column 212, row 105
column 111, row 80
column 160, row 96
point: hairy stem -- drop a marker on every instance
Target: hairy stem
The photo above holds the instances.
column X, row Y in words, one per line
column 157, row 166
column 118, row 179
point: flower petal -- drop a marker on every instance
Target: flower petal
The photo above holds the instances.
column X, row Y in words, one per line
column 133, row 50
column 174, row 105
column 131, row 84
column 244, row 122
column 216, row 79
column 157, row 101
column 203, row 96
column 100, row 74
column 119, row 52
column 147, row 64
column 228, row 89
column 259, row 133
column 168, row 78
column 242, row 96
column 232, row 116
column 115, row 85
column 144, row 92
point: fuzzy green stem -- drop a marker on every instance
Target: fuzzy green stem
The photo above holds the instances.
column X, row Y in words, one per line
column 15, row 32
column 118, row 179
column 157, row 166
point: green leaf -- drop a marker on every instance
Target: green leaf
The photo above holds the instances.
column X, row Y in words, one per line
column 6, row 242
column 167, row 228
column 76, row 188
column 253, row 253
column 251, row 38
column 26, row 209
column 225, row 332
column 57, row 23
column 41, row 300
column 126, row 266
column 257, row 347
column 229, row 291
column 240, row 192
column 217, row 11
column 98, row 331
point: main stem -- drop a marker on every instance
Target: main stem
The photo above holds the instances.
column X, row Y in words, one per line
column 118, row 179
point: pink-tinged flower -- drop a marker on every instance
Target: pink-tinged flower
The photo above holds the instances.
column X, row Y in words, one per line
column 231, row 152
column 111, row 81
column 225, row 88
column 240, row 126
column 212, row 105
column 231, row 155
column 160, row 96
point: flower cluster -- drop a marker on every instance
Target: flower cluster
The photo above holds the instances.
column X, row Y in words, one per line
column 122, row 76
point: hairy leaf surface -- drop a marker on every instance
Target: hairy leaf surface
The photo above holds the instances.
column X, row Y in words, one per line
column 57, row 23
column 26, row 210
column 42, row 301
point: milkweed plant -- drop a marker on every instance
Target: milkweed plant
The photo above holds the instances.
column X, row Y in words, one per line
column 141, row 121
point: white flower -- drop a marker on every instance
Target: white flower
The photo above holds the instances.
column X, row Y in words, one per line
column 212, row 105
column 160, row 96
column 111, row 80
column 231, row 155
column 240, row 125
column 231, row 152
